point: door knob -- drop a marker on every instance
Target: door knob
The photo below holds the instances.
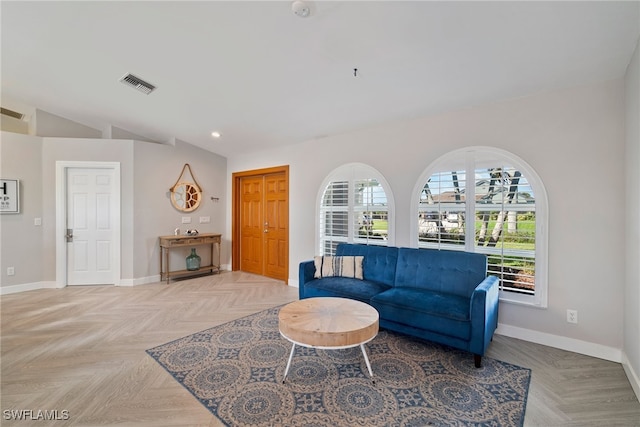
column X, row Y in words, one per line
column 69, row 235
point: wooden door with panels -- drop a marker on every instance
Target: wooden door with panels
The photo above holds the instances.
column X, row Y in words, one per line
column 251, row 231
column 260, row 242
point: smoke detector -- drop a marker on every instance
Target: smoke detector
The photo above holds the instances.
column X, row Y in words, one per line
column 300, row 8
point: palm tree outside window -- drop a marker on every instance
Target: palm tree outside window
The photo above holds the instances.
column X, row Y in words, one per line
column 488, row 201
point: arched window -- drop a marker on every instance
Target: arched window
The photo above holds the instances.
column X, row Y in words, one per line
column 355, row 205
column 486, row 200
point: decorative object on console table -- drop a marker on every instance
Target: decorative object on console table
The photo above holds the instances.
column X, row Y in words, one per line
column 167, row 243
column 193, row 261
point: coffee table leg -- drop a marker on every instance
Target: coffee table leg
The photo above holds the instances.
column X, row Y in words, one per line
column 286, row 370
column 366, row 359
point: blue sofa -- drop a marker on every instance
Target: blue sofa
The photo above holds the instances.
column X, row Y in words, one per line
column 437, row 295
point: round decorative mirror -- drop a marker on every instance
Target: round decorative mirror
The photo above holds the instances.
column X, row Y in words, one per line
column 186, row 196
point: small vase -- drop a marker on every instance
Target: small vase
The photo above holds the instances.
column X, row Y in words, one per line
column 193, row 260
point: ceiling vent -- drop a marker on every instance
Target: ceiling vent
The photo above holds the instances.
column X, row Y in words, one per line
column 11, row 113
column 137, row 83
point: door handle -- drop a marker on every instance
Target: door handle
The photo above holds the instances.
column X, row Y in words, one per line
column 69, row 235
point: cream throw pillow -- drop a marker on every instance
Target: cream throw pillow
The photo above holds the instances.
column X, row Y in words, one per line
column 343, row 266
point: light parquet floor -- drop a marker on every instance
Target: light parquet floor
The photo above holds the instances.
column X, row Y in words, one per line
column 82, row 350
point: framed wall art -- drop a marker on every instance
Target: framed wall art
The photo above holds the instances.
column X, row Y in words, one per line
column 9, row 196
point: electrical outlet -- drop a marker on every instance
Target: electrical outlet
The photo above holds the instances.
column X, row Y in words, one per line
column 10, row 271
column 205, row 219
column 186, row 220
column 572, row 316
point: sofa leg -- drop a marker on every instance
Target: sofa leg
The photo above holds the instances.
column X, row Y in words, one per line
column 477, row 359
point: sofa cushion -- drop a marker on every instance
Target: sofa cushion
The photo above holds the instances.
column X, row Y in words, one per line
column 379, row 263
column 433, row 311
column 453, row 272
column 344, row 287
column 343, row 266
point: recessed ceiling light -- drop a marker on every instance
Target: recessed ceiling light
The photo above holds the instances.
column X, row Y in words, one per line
column 216, row 134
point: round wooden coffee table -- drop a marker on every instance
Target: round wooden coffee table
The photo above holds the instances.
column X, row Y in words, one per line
column 328, row 323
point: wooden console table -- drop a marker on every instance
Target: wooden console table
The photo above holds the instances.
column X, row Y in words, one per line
column 169, row 242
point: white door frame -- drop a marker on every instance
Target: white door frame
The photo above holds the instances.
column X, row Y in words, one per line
column 61, row 216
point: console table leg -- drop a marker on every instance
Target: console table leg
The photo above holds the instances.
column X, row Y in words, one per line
column 211, row 263
column 286, row 370
column 166, row 257
column 161, row 264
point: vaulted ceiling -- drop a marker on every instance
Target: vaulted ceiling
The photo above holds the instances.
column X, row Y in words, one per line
column 263, row 76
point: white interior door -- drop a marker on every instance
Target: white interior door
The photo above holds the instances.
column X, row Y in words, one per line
column 91, row 226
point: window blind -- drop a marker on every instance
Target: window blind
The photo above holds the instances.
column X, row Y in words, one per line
column 500, row 205
column 505, row 226
column 334, row 216
column 370, row 212
column 354, row 211
column 442, row 210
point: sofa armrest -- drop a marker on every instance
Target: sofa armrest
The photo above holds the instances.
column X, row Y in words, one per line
column 484, row 314
column 306, row 272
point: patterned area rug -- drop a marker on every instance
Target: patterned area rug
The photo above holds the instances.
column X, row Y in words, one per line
column 235, row 370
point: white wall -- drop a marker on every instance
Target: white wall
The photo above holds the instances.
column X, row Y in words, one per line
column 21, row 241
column 574, row 139
column 632, row 226
column 11, row 124
column 90, row 150
column 157, row 167
column 47, row 124
column 147, row 172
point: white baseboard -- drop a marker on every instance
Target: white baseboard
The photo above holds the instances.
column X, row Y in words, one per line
column 563, row 343
column 140, row 281
column 24, row 287
column 150, row 279
column 634, row 379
